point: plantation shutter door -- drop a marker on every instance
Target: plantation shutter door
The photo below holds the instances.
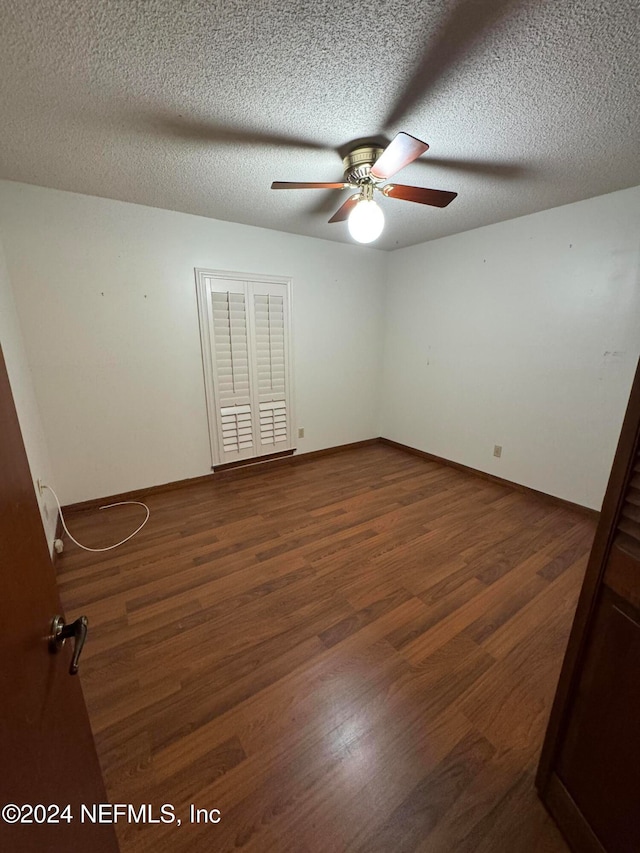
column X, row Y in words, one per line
column 229, row 324
column 270, row 321
column 244, row 332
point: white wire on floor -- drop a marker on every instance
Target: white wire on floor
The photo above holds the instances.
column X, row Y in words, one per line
column 106, row 506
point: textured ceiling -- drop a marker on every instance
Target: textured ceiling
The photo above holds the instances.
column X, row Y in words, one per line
column 197, row 106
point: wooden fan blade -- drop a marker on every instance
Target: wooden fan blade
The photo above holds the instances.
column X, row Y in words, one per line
column 291, row 185
column 401, row 151
column 343, row 212
column 421, row 195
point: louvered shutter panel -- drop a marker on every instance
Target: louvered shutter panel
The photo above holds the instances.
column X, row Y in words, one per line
column 271, row 360
column 627, row 536
column 229, row 325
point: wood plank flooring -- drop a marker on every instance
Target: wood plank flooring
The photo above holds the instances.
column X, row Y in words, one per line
column 353, row 654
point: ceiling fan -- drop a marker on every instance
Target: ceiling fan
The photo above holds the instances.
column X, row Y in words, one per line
column 366, row 168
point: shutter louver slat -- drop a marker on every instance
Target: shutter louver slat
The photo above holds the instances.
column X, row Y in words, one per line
column 627, row 536
column 628, row 544
column 630, row 511
column 631, row 528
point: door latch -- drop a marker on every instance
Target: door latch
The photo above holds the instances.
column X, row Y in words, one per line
column 60, row 632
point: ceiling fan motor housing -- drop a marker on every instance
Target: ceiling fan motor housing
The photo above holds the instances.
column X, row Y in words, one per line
column 357, row 164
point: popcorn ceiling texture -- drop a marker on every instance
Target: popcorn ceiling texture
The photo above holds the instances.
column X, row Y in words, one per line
column 197, row 106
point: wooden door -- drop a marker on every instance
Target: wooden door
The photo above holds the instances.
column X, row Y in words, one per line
column 48, row 757
column 589, row 775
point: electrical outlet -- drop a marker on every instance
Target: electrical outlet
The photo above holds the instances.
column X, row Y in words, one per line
column 301, row 432
column 39, row 485
column 497, row 450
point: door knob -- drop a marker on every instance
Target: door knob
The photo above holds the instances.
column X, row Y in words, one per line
column 60, row 632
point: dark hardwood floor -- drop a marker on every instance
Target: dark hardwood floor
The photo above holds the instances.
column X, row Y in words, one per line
column 356, row 653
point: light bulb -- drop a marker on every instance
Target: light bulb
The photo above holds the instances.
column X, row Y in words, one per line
column 366, row 221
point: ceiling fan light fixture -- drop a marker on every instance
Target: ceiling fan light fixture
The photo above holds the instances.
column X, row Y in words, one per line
column 366, row 221
column 366, row 166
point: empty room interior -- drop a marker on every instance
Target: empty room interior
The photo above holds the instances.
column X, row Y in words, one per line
column 366, row 448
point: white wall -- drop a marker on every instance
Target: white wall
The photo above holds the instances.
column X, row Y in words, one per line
column 106, row 295
column 524, row 334
column 24, row 398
